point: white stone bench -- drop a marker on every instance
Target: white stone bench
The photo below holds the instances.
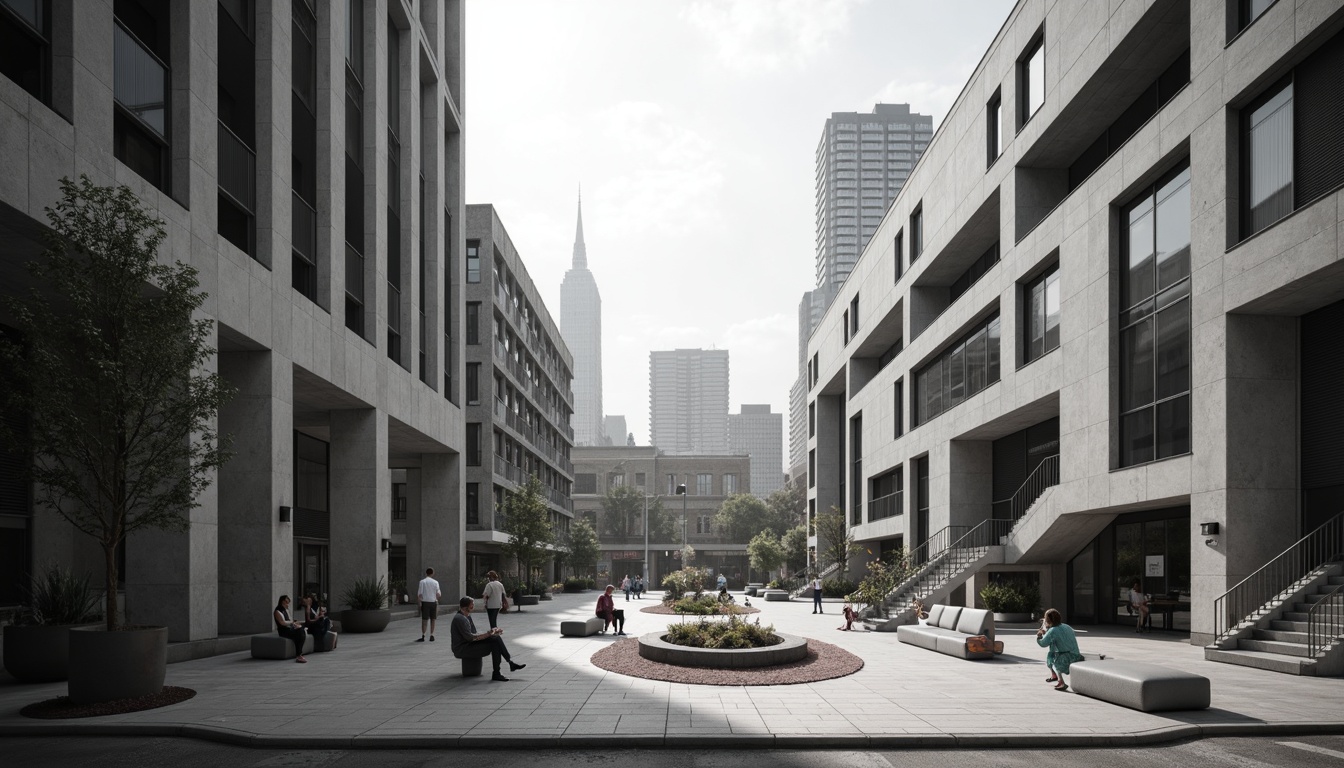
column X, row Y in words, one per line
column 582, row 627
column 279, row 648
column 1139, row 685
column 776, row 596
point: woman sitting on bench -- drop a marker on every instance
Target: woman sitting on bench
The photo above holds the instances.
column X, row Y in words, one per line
column 606, row 609
column 287, row 627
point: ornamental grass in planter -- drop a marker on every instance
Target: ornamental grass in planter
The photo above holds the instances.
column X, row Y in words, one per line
column 733, row 633
column 37, row 645
column 367, row 600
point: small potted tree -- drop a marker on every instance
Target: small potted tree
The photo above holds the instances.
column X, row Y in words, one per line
column 112, row 366
column 37, row 645
column 527, row 521
column 367, row 601
column 1011, row 603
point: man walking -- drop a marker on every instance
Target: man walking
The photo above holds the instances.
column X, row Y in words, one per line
column 816, row 594
column 427, row 597
column 493, row 597
column 468, row 644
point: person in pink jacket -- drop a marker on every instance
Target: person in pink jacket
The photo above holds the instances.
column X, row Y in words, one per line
column 606, row 608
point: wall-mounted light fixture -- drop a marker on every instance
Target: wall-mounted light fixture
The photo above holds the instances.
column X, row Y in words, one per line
column 286, row 514
column 387, row 544
column 1208, row 529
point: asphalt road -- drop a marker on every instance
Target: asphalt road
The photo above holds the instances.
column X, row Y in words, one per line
column 130, row 752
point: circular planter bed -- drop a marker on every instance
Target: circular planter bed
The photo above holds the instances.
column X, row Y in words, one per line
column 1012, row 618
column 126, row 663
column 823, row 662
column 37, row 654
column 365, row 621
column 660, row 608
column 790, row 648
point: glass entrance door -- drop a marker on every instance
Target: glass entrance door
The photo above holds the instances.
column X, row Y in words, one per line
column 310, row 566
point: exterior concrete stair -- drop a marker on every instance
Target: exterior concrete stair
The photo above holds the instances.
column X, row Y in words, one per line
column 1275, row 638
column 935, row 585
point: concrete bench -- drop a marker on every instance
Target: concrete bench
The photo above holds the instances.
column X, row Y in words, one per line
column 472, row 667
column 776, row 596
column 946, row 631
column 1139, row 685
column 582, row 627
column 279, row 648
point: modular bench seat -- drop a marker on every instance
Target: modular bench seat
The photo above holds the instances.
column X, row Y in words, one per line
column 947, row 629
column 1139, row 685
column 582, row 627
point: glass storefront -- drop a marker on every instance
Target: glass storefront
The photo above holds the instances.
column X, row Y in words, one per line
column 1151, row 548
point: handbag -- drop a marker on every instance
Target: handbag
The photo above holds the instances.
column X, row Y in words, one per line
column 504, row 603
column 982, row 644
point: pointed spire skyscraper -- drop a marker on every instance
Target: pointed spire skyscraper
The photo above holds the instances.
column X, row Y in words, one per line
column 581, row 326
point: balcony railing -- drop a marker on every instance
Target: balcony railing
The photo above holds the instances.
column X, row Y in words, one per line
column 885, row 506
column 303, row 222
column 140, row 80
column 237, row 170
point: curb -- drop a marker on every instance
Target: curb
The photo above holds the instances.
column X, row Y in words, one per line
column 221, row 735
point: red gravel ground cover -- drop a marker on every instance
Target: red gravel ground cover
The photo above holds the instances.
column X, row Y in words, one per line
column 60, row 708
column 663, row 609
column 824, row 662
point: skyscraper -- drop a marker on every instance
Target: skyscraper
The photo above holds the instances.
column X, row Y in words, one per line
column 688, row 401
column 760, row 434
column 581, row 326
column 863, row 161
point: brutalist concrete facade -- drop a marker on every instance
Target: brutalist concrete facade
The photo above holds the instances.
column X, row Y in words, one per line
column 301, row 372
column 1247, row 297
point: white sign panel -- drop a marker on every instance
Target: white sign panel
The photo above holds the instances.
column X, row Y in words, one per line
column 1154, row 566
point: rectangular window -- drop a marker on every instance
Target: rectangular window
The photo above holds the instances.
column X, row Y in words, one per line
column 1247, row 11
column 473, row 322
column 812, row 419
column 856, row 469
column 236, row 97
column 1040, row 315
column 812, row 468
column 704, row 525
column 1267, row 127
column 473, row 445
column 1155, row 322
column 671, row 485
column 899, row 257
column 25, row 46
column 704, row 484
column 473, row 383
column 729, row 484
column 1031, row 79
column 354, row 166
column 960, row 372
column 844, row 324
column 973, row 273
column 854, row 317
column 640, row 479
column 916, row 232
column 885, row 495
column 473, row 503
column 993, row 128
column 303, row 150
column 585, row 482
column 141, row 88
column 899, row 403
column 473, row 261
column 615, row 480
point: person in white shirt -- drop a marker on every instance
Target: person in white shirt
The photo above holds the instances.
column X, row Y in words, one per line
column 1139, row 603
column 427, row 597
column 816, row 594
column 493, row 597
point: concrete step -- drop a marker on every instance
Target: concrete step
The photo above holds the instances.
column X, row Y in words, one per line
column 1274, row 662
column 1288, row 626
column 1295, row 616
column 1335, row 581
column 1281, row 635
column 1273, row 646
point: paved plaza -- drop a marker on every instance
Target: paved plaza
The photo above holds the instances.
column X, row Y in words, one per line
column 385, row 690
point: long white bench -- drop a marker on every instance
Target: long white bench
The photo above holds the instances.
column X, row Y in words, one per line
column 947, row 629
column 1139, row 685
column 582, row 627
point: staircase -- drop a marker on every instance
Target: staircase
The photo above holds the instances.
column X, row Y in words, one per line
column 806, row 589
column 952, row 555
column 1289, row 615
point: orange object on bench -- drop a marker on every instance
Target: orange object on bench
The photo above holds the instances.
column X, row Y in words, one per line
column 982, row 644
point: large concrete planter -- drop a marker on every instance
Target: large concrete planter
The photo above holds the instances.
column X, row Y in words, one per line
column 365, row 621
column 37, row 654
column 122, row 664
column 1012, row 618
column 654, row 648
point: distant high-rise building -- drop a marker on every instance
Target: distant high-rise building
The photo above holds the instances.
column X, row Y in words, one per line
column 615, row 430
column 760, row 434
column 863, row 161
column 688, row 401
column 581, row 327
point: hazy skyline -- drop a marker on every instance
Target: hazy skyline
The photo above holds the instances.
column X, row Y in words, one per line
column 692, row 128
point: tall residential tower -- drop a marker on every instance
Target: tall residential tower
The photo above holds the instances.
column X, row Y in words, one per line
column 688, row 401
column 760, row 434
column 581, row 326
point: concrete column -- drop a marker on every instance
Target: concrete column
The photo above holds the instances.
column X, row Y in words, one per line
column 831, row 430
column 361, row 498
column 257, row 550
column 971, row 481
column 434, row 524
column 1245, row 473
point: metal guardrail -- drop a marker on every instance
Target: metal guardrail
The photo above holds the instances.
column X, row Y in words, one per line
column 237, row 169
column 1325, row 621
column 1276, row 580
column 1045, row 475
column 959, row 553
column 887, row 506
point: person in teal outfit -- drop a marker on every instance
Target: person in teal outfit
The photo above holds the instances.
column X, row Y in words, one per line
column 1063, row 644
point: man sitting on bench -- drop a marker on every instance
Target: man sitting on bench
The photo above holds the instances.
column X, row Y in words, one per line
column 469, row 644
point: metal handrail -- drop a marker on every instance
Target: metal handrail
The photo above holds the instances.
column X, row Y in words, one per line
column 1274, row 582
column 1325, row 621
column 887, row 506
column 982, row 536
column 1045, row 475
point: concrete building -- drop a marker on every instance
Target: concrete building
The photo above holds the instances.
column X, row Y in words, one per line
column 614, row 427
column 758, row 433
column 1097, row 332
column 581, row 325
column 516, row 394
column 688, row 401
column 709, row 480
column 337, row 310
column 810, row 310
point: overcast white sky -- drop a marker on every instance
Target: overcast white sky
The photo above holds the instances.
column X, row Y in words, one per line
column 692, row 126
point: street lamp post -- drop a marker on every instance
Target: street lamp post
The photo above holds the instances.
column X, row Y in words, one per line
column 645, row 494
column 681, row 491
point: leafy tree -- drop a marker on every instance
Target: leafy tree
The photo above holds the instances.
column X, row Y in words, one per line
column 742, row 516
column 623, row 514
column 834, row 541
column 527, row 521
column 584, row 547
column 794, row 542
column 764, row 552
column 883, row 577
column 111, row 368
column 788, row 506
column 687, row 555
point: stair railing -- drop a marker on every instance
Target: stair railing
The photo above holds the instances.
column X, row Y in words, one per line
column 1325, row 621
column 1045, row 475
column 961, row 552
column 1262, row 591
column 825, row 573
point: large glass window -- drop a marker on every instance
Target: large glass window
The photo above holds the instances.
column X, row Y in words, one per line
column 473, row 322
column 1268, row 128
column 916, row 233
column 473, row 445
column 473, row 383
column 303, row 151
column 729, row 484
column 473, row 261
column 354, row 166
column 1155, row 322
column 140, row 88
column 1031, row 79
column 1249, row 10
column 473, row 503
column 1040, row 322
column 704, row 484
column 961, row 371
column 898, row 256
column 25, row 46
column 993, row 128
